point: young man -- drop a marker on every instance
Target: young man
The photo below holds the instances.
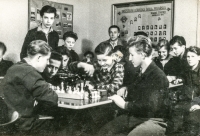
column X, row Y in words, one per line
column 4, row 64
column 23, row 85
column 114, row 32
column 43, row 32
column 52, row 68
column 178, row 47
column 146, row 110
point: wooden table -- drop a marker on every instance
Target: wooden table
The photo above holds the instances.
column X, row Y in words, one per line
column 82, row 104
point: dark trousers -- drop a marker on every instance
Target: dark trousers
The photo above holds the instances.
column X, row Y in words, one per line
column 132, row 126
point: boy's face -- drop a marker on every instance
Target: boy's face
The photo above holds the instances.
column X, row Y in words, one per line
column 135, row 57
column 64, row 61
column 177, row 49
column 105, row 61
column 114, row 34
column 163, row 53
column 42, row 62
column 88, row 57
column 52, row 68
column 48, row 19
column 192, row 59
column 118, row 56
column 70, row 42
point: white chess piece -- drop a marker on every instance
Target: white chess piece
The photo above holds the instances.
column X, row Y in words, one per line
column 62, row 88
column 70, row 90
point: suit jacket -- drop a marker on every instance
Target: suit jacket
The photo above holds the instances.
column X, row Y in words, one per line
column 33, row 34
column 21, row 86
column 4, row 66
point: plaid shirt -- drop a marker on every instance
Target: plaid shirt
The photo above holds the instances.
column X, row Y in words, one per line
column 110, row 80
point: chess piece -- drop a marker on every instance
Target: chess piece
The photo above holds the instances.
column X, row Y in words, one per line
column 62, row 88
column 70, row 90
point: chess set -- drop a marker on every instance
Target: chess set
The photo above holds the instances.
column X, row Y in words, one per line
column 79, row 91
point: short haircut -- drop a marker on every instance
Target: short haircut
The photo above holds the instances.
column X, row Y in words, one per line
column 142, row 45
column 38, row 47
column 194, row 49
column 141, row 33
column 120, row 48
column 178, row 39
column 47, row 9
column 70, row 34
column 63, row 51
column 3, row 47
column 163, row 43
column 56, row 56
column 114, row 26
column 89, row 52
column 104, row 48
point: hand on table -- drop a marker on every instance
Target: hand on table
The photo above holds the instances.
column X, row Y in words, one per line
column 194, row 107
column 122, row 92
column 119, row 101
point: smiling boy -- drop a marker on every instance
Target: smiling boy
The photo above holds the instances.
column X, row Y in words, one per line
column 44, row 31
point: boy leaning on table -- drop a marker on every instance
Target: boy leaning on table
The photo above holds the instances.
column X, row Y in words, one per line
column 185, row 115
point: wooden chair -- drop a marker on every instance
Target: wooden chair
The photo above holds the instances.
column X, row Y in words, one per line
column 6, row 121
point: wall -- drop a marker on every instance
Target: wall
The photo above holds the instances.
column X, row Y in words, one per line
column 14, row 24
column 185, row 19
column 91, row 21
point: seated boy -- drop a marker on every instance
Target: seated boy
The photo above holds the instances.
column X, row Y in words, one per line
column 4, row 64
column 146, row 111
column 52, row 68
column 186, row 111
column 23, row 84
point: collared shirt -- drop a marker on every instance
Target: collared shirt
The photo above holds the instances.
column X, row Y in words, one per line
column 46, row 34
column 114, row 43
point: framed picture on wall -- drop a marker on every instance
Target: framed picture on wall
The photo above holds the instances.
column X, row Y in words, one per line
column 155, row 15
column 63, row 20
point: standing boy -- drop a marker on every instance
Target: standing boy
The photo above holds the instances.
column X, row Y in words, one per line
column 114, row 32
column 43, row 32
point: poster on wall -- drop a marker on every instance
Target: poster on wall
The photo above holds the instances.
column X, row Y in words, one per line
column 154, row 18
column 63, row 20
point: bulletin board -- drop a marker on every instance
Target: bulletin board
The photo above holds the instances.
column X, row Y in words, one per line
column 63, row 20
column 153, row 17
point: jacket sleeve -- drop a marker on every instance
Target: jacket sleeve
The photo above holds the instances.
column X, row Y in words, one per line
column 40, row 89
column 27, row 40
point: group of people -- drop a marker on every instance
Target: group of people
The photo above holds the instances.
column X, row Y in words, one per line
column 136, row 80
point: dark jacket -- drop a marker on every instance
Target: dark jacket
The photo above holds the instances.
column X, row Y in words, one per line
column 192, row 85
column 33, row 34
column 21, row 86
column 146, row 95
column 4, row 66
column 171, row 68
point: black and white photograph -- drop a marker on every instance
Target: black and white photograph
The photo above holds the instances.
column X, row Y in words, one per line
column 100, row 68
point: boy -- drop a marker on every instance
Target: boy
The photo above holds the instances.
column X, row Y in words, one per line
column 187, row 109
column 146, row 111
column 43, row 32
column 178, row 47
column 4, row 64
column 52, row 68
column 23, row 85
column 114, row 32
column 70, row 39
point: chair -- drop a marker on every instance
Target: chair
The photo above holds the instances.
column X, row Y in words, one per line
column 13, row 119
column 6, row 121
